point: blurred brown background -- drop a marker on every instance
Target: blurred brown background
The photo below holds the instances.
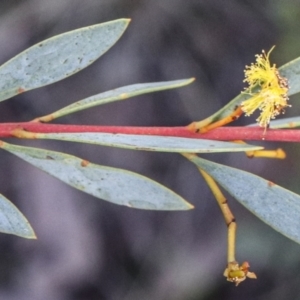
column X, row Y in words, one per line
column 90, row 249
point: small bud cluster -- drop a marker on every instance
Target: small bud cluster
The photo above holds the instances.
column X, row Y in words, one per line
column 237, row 274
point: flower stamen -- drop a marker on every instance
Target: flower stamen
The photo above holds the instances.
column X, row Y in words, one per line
column 268, row 89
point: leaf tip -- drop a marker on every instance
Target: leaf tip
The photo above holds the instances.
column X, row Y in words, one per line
column 126, row 21
column 190, row 206
column 188, row 81
column 30, row 234
column 184, row 205
column 33, row 236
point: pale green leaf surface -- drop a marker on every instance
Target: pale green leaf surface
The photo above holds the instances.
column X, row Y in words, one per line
column 111, row 184
column 292, row 122
column 276, row 206
column 120, row 94
column 150, row 142
column 291, row 71
column 58, row 57
column 12, row 221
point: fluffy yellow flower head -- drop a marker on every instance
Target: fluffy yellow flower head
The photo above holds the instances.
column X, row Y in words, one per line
column 267, row 88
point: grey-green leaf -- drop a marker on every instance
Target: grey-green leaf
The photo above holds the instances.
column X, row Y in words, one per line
column 122, row 93
column 58, row 57
column 226, row 110
column 150, row 142
column 291, row 71
column 276, row 206
column 12, row 221
column 114, row 185
column 292, row 122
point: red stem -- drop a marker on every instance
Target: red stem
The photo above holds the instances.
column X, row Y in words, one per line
column 222, row 133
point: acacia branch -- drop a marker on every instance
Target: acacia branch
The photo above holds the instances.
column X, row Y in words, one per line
column 222, row 133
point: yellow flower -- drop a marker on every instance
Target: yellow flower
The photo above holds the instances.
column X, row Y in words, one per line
column 267, row 88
